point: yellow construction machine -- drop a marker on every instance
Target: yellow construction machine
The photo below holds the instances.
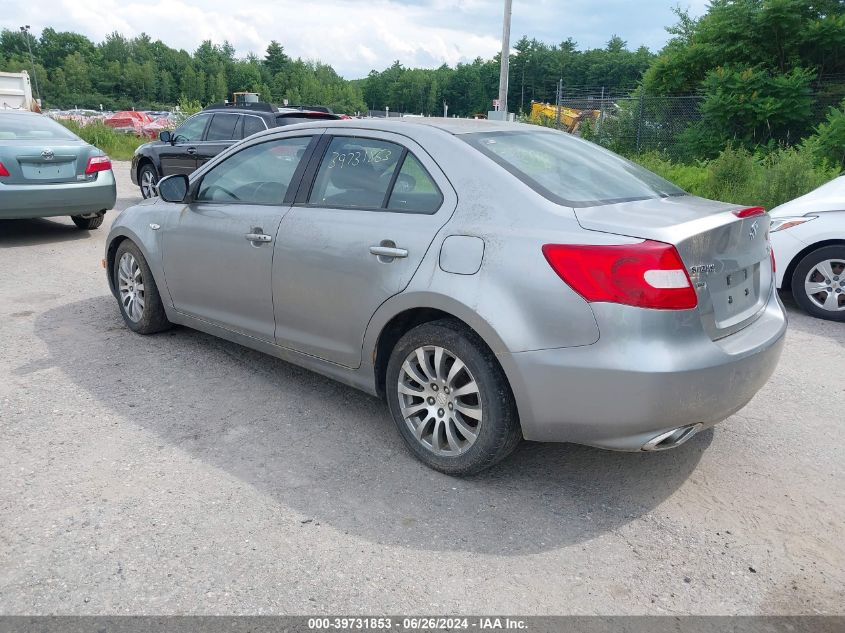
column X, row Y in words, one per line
column 570, row 118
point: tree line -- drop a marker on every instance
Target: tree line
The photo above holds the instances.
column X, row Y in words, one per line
column 141, row 73
column 766, row 72
column 123, row 73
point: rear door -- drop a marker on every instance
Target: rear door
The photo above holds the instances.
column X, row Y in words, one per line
column 180, row 157
column 222, row 131
column 218, row 250
column 367, row 212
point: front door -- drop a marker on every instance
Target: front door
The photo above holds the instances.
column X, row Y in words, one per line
column 180, row 156
column 218, row 250
column 376, row 203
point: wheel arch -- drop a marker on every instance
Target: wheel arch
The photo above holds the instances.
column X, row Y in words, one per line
column 793, row 264
column 389, row 325
column 123, row 235
column 146, row 160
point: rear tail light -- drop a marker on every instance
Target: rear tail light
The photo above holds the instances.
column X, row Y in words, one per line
column 749, row 212
column 646, row 275
column 774, row 263
column 98, row 163
column 4, row 171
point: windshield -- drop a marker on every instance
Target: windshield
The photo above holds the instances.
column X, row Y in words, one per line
column 568, row 170
column 25, row 126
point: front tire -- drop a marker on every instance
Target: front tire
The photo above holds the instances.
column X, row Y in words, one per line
column 89, row 222
column 137, row 293
column 147, row 180
column 818, row 283
column 450, row 399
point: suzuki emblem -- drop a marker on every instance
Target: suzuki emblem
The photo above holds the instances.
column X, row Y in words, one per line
column 753, row 232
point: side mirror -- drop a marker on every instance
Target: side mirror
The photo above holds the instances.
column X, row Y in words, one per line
column 173, row 188
column 165, row 136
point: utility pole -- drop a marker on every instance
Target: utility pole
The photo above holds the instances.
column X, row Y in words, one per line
column 26, row 36
column 506, row 49
column 559, row 99
column 445, row 109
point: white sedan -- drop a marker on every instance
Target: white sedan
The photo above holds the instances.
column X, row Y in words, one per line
column 808, row 237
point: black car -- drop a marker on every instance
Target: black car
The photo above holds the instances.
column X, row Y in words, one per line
column 205, row 134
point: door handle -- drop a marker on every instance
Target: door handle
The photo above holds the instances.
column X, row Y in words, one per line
column 191, row 150
column 388, row 251
column 260, row 238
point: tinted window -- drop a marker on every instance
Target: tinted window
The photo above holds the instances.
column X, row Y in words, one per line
column 304, row 117
column 259, row 174
column 222, row 127
column 414, row 191
column 26, row 126
column 252, row 125
column 191, row 130
column 356, row 172
column 570, row 171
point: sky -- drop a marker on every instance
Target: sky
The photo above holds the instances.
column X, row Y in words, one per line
column 356, row 36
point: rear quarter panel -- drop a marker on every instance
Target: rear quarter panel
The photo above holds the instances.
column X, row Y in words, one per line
column 515, row 302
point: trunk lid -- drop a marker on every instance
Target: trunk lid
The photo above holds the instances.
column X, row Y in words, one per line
column 45, row 162
column 726, row 257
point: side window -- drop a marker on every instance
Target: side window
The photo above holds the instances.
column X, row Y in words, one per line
column 222, row 127
column 191, row 130
column 356, row 172
column 253, row 125
column 414, row 191
column 260, row 174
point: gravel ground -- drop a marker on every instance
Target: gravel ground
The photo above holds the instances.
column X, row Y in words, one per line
column 183, row 474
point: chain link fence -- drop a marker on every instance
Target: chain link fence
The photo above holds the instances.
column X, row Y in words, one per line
column 636, row 122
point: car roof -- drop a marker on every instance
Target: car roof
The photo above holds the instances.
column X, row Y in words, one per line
column 19, row 112
column 405, row 125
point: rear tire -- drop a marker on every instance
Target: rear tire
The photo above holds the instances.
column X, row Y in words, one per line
column 459, row 417
column 137, row 293
column 89, row 222
column 819, row 270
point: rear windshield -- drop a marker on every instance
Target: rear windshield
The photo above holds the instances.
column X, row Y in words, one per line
column 25, row 126
column 568, row 170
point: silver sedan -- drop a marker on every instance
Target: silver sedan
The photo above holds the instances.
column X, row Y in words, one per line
column 491, row 281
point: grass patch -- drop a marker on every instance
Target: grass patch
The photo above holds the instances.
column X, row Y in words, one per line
column 117, row 145
column 740, row 177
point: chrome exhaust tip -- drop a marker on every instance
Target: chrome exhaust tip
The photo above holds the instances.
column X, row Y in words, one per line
column 673, row 438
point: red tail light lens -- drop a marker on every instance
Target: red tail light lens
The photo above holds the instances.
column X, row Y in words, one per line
column 4, row 171
column 749, row 212
column 98, row 163
column 774, row 263
column 646, row 275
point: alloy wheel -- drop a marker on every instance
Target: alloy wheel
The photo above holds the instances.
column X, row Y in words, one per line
column 148, row 184
column 825, row 285
column 131, row 287
column 440, row 400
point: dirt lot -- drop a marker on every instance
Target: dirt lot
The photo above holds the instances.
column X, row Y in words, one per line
column 182, row 474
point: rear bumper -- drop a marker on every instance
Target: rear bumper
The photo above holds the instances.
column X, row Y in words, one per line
column 642, row 378
column 48, row 200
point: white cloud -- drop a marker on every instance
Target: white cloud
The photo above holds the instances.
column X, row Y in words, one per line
column 354, row 36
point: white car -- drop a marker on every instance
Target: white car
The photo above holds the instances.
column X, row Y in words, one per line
column 808, row 237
